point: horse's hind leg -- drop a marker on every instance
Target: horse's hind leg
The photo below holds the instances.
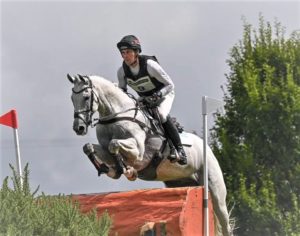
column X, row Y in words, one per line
column 218, row 194
column 126, row 151
column 129, row 148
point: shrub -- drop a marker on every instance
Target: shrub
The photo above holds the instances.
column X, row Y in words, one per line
column 21, row 213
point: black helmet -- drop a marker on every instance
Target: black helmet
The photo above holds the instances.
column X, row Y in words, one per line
column 129, row 42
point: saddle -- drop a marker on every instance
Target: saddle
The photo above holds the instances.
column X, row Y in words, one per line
column 152, row 114
column 157, row 128
column 149, row 173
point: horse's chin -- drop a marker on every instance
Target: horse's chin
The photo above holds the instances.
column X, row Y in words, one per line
column 81, row 132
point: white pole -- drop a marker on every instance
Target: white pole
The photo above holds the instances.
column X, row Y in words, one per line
column 208, row 105
column 205, row 172
column 18, row 157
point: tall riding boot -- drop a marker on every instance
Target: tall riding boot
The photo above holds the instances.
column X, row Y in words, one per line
column 172, row 133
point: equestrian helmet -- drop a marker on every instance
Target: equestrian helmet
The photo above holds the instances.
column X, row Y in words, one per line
column 129, row 42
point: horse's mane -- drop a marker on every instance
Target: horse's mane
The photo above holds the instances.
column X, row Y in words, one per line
column 106, row 83
column 109, row 85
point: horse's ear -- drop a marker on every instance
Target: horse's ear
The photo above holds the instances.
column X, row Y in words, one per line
column 71, row 79
column 83, row 79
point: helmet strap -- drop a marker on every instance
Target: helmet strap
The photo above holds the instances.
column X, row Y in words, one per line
column 135, row 60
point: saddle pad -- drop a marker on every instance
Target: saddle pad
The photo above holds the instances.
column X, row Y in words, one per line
column 186, row 139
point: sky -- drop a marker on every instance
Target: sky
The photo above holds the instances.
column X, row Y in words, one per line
column 42, row 41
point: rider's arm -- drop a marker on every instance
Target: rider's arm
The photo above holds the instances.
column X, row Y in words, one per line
column 121, row 78
column 156, row 71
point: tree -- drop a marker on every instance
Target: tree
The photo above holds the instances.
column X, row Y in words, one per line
column 257, row 141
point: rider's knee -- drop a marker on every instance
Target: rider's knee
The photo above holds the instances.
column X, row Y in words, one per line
column 164, row 117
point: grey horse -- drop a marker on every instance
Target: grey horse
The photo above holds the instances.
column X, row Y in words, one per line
column 129, row 144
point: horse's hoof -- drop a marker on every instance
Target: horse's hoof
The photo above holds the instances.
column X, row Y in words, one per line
column 103, row 169
column 133, row 177
column 131, row 174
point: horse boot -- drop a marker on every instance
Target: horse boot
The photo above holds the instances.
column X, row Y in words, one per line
column 172, row 133
column 90, row 152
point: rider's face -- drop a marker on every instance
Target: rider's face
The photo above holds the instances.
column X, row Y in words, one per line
column 129, row 56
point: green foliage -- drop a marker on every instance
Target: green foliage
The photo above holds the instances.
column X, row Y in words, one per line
column 257, row 141
column 21, row 213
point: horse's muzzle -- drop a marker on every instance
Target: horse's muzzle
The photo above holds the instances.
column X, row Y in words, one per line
column 80, row 127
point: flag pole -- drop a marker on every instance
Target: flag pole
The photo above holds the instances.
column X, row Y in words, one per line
column 18, row 157
column 10, row 119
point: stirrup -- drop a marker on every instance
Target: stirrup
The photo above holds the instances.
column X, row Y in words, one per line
column 173, row 157
column 182, row 156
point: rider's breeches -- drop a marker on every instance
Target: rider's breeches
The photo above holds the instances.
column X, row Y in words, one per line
column 165, row 107
column 171, row 130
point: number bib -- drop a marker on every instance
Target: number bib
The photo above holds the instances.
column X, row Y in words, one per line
column 143, row 84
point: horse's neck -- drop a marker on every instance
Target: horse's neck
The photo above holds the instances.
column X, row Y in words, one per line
column 112, row 99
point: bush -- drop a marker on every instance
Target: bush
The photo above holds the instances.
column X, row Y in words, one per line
column 21, row 213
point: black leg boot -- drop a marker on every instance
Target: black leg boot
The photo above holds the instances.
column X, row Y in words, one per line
column 172, row 133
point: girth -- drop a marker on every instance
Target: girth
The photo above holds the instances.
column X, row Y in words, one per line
column 127, row 118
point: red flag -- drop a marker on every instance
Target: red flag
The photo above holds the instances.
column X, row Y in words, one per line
column 10, row 119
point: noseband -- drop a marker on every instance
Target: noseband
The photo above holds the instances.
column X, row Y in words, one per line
column 89, row 109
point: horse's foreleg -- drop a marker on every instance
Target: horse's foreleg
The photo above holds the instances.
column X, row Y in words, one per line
column 93, row 152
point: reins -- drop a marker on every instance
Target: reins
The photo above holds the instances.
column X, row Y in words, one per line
column 112, row 118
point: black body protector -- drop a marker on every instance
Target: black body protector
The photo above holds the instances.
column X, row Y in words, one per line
column 142, row 83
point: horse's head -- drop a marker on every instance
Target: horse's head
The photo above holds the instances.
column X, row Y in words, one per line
column 85, row 102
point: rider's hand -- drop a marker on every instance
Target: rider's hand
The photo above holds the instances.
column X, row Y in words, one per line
column 141, row 99
column 154, row 100
column 157, row 95
column 151, row 99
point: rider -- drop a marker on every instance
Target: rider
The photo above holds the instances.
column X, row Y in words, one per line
column 144, row 75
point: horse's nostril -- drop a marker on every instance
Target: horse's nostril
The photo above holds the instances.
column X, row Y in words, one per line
column 81, row 128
